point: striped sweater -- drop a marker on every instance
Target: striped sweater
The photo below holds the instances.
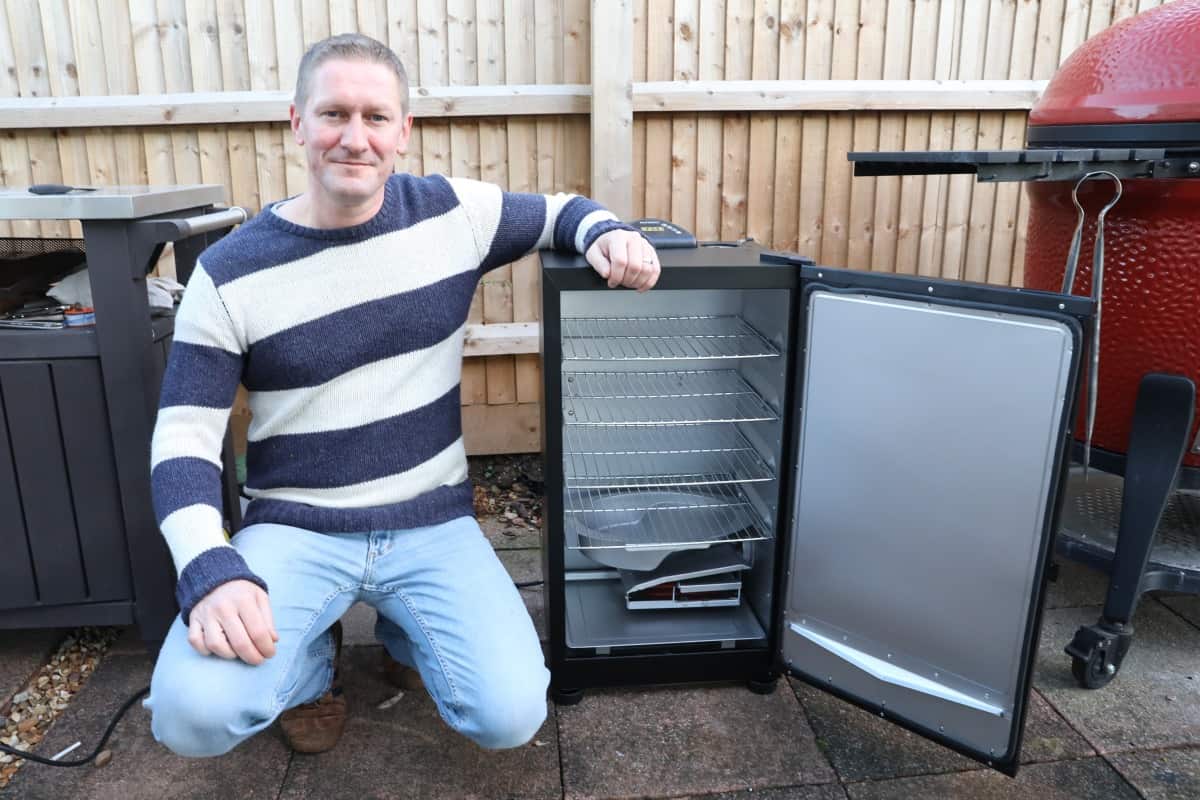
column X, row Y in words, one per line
column 349, row 342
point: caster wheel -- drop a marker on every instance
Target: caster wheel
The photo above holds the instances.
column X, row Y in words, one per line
column 1097, row 652
column 762, row 686
column 1093, row 673
column 566, row 697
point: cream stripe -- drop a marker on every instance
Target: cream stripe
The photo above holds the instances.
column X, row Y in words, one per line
column 190, row 531
column 447, row 468
column 554, row 207
column 188, row 431
column 344, row 276
column 202, row 318
column 402, row 383
column 484, row 204
column 586, row 224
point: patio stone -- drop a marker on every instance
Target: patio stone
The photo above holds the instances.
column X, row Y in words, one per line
column 506, row 536
column 1185, row 605
column 358, row 626
column 1076, row 586
column 141, row 767
column 525, row 566
column 1153, row 702
column 667, row 742
column 21, row 653
column 1061, row 780
column 1162, row 774
column 407, row 751
column 863, row 747
column 825, row 791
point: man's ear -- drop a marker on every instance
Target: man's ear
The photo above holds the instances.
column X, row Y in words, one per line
column 294, row 119
column 402, row 144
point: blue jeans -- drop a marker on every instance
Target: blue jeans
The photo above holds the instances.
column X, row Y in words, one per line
column 446, row 606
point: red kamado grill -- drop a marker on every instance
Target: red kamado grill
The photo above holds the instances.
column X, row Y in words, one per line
column 1111, row 166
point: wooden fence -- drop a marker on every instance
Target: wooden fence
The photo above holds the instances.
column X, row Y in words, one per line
column 741, row 114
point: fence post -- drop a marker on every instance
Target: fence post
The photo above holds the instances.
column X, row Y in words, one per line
column 612, row 105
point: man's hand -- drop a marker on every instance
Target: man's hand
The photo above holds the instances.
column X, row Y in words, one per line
column 234, row 621
column 625, row 258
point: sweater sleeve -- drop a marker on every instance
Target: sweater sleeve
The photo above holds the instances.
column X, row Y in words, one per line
column 507, row 225
column 201, row 380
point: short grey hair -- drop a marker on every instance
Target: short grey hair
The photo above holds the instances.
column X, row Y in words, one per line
column 348, row 47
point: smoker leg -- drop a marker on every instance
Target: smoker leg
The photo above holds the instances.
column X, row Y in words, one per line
column 565, row 697
column 1162, row 419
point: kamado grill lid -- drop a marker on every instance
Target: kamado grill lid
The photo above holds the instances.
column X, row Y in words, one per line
column 1127, row 102
column 1134, row 84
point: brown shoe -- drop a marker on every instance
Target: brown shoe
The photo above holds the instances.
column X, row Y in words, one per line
column 316, row 727
column 400, row 675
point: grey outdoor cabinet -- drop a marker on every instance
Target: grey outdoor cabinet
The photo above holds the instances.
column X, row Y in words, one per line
column 78, row 540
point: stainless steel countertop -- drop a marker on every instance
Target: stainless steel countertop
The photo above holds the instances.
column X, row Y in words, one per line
column 107, row 202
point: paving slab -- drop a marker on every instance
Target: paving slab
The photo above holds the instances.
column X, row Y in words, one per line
column 141, row 768
column 863, row 747
column 505, row 535
column 1162, row 774
column 825, row 791
column 407, row 751
column 1153, row 702
column 525, row 566
column 1185, row 605
column 1060, row 780
column 1076, row 586
column 21, row 653
column 668, row 742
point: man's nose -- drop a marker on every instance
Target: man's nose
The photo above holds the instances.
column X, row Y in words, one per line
column 354, row 134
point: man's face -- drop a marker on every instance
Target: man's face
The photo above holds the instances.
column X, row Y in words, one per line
column 352, row 128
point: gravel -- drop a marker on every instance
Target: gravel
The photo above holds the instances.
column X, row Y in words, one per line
column 29, row 713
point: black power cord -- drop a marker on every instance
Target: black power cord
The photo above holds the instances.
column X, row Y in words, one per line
column 80, row 761
column 121, row 713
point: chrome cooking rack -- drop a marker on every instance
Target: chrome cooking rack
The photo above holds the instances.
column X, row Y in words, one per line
column 720, row 514
column 660, row 398
column 595, row 458
column 662, row 339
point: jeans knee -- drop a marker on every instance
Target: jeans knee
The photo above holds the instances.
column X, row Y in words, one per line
column 192, row 722
column 506, row 717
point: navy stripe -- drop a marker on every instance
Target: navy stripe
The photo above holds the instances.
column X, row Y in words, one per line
column 182, row 482
column 314, row 352
column 207, row 571
column 567, row 224
column 264, row 241
column 602, row 227
column 199, row 375
column 522, row 217
column 329, row 459
column 431, row 508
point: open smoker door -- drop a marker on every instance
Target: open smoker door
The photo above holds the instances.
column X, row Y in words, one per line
column 930, row 447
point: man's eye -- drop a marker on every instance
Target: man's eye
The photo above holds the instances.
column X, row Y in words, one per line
column 378, row 118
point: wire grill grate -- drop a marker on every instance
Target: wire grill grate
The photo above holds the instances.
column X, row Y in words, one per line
column 634, row 520
column 662, row 339
column 659, row 457
column 660, row 398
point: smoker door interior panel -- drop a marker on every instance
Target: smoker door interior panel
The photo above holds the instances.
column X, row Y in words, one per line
column 927, row 449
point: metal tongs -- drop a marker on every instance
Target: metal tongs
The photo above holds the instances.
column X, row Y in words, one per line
column 1097, row 293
